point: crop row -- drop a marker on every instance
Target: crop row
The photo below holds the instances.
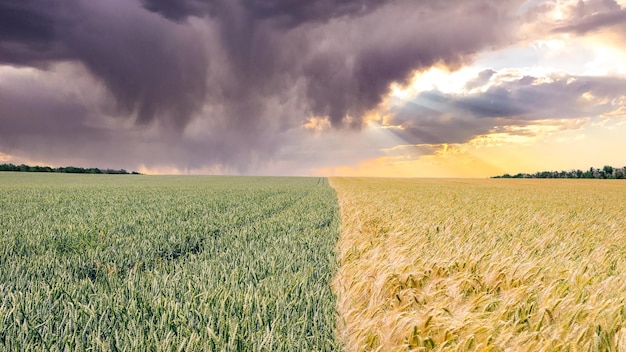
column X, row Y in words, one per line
column 166, row 263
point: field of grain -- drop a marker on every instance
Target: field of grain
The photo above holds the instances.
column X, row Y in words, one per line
column 482, row 265
column 148, row 263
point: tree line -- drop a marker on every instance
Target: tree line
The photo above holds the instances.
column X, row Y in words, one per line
column 67, row 169
column 607, row 172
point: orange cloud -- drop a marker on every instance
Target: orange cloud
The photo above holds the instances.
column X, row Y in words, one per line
column 317, row 124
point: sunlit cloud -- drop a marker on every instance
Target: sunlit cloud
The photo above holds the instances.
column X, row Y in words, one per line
column 435, row 78
column 317, row 124
column 619, row 112
column 525, row 134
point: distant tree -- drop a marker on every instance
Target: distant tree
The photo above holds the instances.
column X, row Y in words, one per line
column 9, row 167
column 606, row 172
column 595, row 172
column 67, row 169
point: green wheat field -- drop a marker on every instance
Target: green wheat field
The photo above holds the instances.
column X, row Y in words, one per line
column 147, row 263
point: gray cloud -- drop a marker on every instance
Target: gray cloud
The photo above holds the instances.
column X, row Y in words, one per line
column 596, row 21
column 589, row 16
column 434, row 117
column 350, row 77
column 221, row 81
column 282, row 12
column 482, row 79
column 153, row 68
column 27, row 33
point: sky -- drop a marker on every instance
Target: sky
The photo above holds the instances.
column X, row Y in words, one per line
column 388, row 88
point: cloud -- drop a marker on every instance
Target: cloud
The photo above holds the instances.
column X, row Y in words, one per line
column 240, row 84
column 282, row 12
column 351, row 71
column 480, row 81
column 229, row 77
column 155, row 69
column 507, row 104
column 595, row 22
column 585, row 17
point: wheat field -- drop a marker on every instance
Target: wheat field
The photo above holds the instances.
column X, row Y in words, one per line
column 97, row 262
column 166, row 263
column 481, row 265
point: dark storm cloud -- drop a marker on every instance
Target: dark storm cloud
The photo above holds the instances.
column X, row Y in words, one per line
column 434, row 117
column 21, row 23
column 32, row 114
column 284, row 12
column 153, row 68
column 27, row 32
column 240, row 73
column 177, row 10
column 347, row 52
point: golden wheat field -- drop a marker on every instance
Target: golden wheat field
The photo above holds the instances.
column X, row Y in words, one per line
column 482, row 265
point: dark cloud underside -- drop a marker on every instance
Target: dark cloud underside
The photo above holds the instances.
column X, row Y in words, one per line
column 284, row 12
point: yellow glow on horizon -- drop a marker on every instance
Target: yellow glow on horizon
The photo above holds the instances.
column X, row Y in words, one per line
column 551, row 146
column 427, row 166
